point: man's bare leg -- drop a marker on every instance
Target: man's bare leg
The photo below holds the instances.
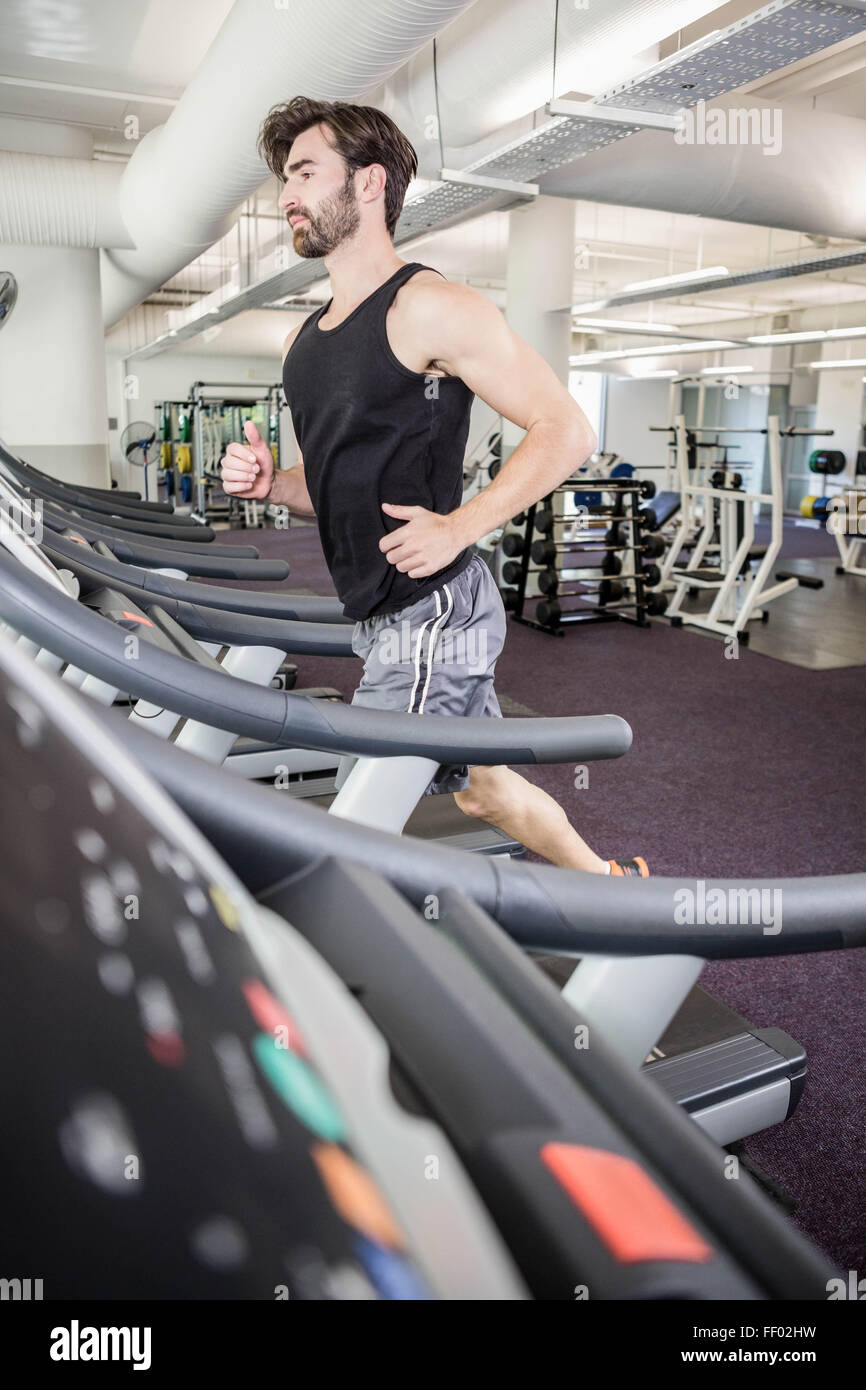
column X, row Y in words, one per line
column 529, row 815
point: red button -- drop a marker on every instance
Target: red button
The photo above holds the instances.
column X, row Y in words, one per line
column 625, row 1208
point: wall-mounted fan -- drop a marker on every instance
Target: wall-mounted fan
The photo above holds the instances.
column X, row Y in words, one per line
column 140, row 447
column 8, row 294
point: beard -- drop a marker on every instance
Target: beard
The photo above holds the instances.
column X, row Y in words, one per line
column 334, row 221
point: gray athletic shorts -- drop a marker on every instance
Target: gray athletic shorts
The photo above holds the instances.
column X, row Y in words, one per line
column 436, row 656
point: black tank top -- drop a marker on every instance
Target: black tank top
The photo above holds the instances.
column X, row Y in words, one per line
column 372, row 431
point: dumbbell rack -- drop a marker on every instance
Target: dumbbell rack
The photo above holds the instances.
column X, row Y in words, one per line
column 622, row 512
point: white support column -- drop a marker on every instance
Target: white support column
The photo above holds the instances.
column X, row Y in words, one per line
column 540, row 277
column 839, row 407
column 53, row 402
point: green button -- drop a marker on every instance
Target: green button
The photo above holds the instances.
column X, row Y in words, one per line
column 299, row 1088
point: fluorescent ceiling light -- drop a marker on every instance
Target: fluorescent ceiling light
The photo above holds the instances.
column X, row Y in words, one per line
column 724, row 371
column 652, row 376
column 843, row 362
column 709, row 273
column 846, row 332
column 813, row 335
column 707, row 345
column 627, row 324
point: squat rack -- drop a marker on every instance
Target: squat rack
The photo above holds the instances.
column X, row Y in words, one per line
column 736, row 603
column 269, row 394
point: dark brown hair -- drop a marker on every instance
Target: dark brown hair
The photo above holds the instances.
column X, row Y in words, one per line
column 361, row 135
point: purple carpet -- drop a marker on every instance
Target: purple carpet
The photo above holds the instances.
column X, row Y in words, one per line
column 747, row 768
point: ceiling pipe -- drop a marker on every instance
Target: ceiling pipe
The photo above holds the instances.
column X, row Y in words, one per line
column 816, row 182
column 183, row 187
column 51, row 200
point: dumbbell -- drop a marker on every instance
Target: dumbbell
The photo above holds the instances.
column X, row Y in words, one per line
column 644, row 487
column 717, row 479
column 548, row 612
column 652, row 545
column 609, row 590
column 512, row 544
column 619, row 533
column 545, row 552
column 657, row 604
column 652, row 575
column 512, row 570
column 545, row 520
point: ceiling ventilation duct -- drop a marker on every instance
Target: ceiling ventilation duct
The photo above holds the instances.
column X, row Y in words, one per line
column 579, row 149
column 181, row 190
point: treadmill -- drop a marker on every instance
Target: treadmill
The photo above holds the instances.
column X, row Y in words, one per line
column 629, row 985
column 252, row 648
column 559, row 1175
column 731, row 1079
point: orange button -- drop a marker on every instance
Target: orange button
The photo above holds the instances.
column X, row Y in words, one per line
column 625, row 1208
column 356, row 1197
column 271, row 1016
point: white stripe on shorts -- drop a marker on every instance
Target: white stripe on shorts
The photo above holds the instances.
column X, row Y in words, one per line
column 438, row 622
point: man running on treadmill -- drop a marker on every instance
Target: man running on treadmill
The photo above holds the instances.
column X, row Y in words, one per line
column 380, row 382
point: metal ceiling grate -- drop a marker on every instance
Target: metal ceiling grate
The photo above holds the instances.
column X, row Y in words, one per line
column 778, row 34
column 438, row 206
column 557, row 142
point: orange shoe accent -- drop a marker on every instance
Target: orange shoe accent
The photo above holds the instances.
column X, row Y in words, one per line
column 629, row 868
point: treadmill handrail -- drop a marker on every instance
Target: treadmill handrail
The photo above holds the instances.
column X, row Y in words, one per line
column 267, row 836
column 58, row 521
column 285, row 606
column 94, row 644
column 207, row 622
column 29, row 470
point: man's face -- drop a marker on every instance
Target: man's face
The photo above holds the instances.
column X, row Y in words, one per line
column 318, row 196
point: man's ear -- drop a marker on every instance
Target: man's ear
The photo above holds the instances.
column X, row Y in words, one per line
column 375, row 178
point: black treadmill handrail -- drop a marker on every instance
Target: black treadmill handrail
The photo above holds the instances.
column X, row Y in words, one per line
column 196, row 560
column 96, row 645
column 143, row 530
column 267, row 836
column 105, row 494
column 68, row 496
column 58, row 521
column 300, row 607
column 208, row 623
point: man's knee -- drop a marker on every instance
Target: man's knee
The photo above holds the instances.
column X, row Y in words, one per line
column 486, row 794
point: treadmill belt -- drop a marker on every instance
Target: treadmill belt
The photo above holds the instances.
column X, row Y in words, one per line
column 440, row 818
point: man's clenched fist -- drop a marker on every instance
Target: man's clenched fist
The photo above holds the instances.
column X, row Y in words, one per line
column 248, row 469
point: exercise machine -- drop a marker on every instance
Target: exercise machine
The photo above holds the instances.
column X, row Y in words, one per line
column 556, row 1170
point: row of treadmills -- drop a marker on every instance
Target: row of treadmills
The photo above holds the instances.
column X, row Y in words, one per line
column 262, row 1037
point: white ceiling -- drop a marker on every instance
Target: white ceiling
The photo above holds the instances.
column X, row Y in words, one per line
column 87, row 64
column 102, row 48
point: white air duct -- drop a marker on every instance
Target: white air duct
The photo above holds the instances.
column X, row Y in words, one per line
column 182, row 188
column 50, row 200
column 495, row 65
column 816, row 182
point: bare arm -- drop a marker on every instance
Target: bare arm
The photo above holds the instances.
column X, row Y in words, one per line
column 505, row 372
column 248, row 469
column 469, row 338
column 289, row 489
